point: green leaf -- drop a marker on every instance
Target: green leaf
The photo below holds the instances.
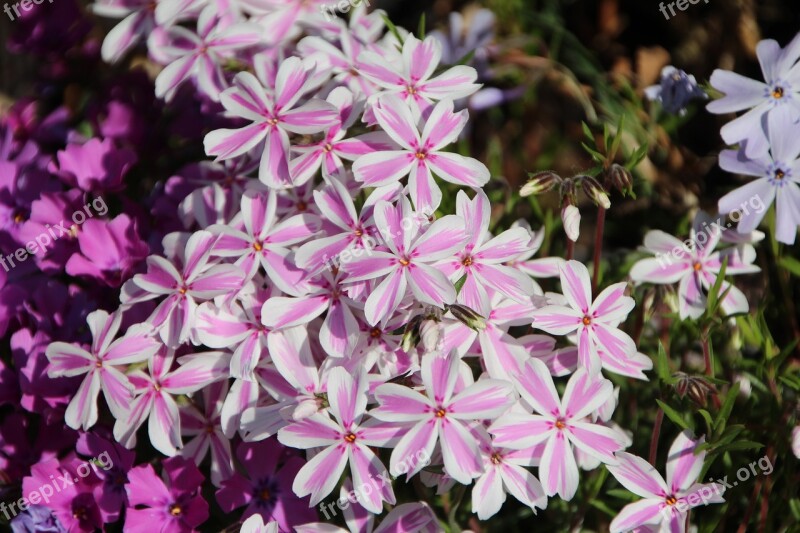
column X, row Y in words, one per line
column 587, row 131
column 467, row 58
column 707, row 417
column 392, row 29
column 662, row 365
column 791, row 264
column 460, row 283
column 622, row 494
column 727, row 408
column 636, row 157
column 713, row 294
column 673, row 415
column 603, row 507
column 741, row 445
column 617, row 139
column 597, row 156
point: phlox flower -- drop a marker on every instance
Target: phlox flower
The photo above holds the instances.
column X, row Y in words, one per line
column 115, row 462
column 779, row 93
column 421, row 153
column 545, row 267
column 778, row 180
column 561, row 424
column 411, row 76
column 171, row 505
column 664, row 504
column 408, row 261
column 200, row 55
column 258, row 238
column 98, row 364
column 197, row 279
column 695, row 265
column 273, row 113
column 74, row 504
column 205, row 425
column 594, row 323
column 346, row 229
column 154, row 397
column 417, row 517
column 265, row 487
column 483, row 256
column 345, row 440
column 442, row 415
column 504, row 472
column 235, row 326
column 329, row 152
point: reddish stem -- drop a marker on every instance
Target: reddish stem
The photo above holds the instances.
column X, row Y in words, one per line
column 654, row 439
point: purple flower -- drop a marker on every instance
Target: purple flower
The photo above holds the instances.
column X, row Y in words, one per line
column 115, row 461
column 675, row 90
column 173, row 505
column 110, row 251
column 74, row 505
column 780, row 90
column 778, row 180
column 37, row 519
column 95, row 165
column 266, row 490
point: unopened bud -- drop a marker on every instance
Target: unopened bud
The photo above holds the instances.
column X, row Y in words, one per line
column 595, row 191
column 430, row 332
column 540, row 182
column 411, row 334
column 621, row 178
column 571, row 218
column 468, row 317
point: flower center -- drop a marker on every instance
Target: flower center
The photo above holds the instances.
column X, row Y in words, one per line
column 265, row 494
column 496, row 459
column 99, row 364
column 257, row 246
column 19, row 218
column 587, row 320
column 777, row 93
column 302, row 206
column 560, row 424
column 404, row 261
column 182, row 290
column 350, row 437
column 327, row 148
column 467, row 261
column 671, row 500
column 273, row 122
column 375, row 333
column 697, row 266
column 175, row 509
column 421, row 155
column 410, row 89
column 779, row 174
column 359, row 232
column 441, row 412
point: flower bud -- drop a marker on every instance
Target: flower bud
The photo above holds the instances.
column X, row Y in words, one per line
column 468, row 317
column 430, row 333
column 595, row 191
column 620, row 178
column 539, row 183
column 411, row 334
column 571, row 218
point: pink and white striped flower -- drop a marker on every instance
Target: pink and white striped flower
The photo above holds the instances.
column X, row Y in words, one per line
column 274, row 114
column 346, row 439
column 99, row 364
column 442, row 416
column 206, row 427
column 561, row 424
column 199, row 56
column 695, row 266
column 594, row 323
column 664, row 503
column 411, row 77
column 407, row 263
column 155, row 390
column 420, row 155
column 198, row 279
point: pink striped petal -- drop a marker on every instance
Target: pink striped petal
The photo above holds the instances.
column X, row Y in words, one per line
column 520, row 431
column 81, row 412
column 395, row 118
column 321, row 474
column 382, row 168
column 558, row 470
column 536, row 387
column 486, row 399
column 382, row 302
column 576, row 285
column 314, row 431
column 430, row 286
column 635, row 515
column 366, row 469
column 458, row 169
column 638, row 476
column 229, row 143
column 419, row 441
column 164, row 425
column 585, row 393
column 400, row 404
column 596, row 440
column 443, row 126
column 683, row 465
column 462, row 459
